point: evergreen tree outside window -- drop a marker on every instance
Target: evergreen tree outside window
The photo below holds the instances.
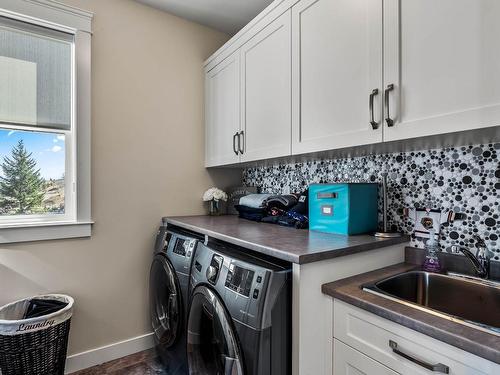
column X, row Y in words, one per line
column 21, row 188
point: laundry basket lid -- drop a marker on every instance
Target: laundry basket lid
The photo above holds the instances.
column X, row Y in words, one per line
column 11, row 315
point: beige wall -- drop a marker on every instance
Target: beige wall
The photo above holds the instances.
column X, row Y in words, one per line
column 147, row 155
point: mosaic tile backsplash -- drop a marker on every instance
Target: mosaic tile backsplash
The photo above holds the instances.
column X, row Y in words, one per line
column 462, row 179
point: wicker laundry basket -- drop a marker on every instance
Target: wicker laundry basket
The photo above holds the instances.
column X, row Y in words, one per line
column 35, row 345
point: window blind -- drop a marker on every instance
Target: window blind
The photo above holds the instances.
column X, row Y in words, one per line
column 35, row 75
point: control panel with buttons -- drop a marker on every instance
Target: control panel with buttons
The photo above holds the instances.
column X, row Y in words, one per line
column 256, row 293
column 214, row 268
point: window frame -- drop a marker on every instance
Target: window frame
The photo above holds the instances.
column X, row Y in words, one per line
column 76, row 221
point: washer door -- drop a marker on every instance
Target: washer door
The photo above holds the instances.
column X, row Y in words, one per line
column 165, row 301
column 212, row 344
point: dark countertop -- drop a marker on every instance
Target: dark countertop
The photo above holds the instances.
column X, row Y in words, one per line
column 289, row 244
column 474, row 341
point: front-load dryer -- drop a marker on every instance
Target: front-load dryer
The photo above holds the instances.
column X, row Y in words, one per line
column 168, row 291
column 239, row 320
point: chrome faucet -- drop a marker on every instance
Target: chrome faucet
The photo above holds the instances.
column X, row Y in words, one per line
column 480, row 261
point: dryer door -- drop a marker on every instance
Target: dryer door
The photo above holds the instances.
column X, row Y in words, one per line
column 165, row 301
column 212, row 344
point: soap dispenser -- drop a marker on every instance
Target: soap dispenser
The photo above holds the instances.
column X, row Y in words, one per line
column 431, row 263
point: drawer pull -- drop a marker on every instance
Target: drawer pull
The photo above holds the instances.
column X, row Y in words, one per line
column 435, row 368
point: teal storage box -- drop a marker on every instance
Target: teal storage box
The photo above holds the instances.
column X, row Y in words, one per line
column 343, row 208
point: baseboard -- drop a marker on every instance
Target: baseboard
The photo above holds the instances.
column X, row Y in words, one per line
column 108, row 353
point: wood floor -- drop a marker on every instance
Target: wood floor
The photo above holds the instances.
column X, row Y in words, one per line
column 143, row 363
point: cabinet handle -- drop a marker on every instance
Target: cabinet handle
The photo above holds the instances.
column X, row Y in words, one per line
column 435, row 368
column 326, row 195
column 373, row 123
column 234, row 143
column 241, row 141
column 388, row 120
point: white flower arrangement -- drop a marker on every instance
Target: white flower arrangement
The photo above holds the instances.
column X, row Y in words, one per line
column 214, row 194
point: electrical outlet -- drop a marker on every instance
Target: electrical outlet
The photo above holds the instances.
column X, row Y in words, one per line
column 425, row 219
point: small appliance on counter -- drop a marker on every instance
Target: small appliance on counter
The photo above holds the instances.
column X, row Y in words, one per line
column 345, row 208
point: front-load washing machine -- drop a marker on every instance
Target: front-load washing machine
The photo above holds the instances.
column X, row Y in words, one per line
column 239, row 320
column 168, row 290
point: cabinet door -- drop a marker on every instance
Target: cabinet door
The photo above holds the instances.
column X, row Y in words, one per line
column 336, row 65
column 443, row 58
column 348, row 361
column 266, row 92
column 222, row 112
column 378, row 337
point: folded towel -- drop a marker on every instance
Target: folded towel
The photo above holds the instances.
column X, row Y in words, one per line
column 268, row 201
column 255, row 200
column 250, row 213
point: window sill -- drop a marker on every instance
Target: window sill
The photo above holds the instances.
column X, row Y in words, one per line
column 44, row 231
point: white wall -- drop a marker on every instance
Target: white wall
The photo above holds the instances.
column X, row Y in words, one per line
column 147, row 154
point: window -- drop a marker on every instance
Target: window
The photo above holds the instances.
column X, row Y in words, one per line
column 36, row 124
column 44, row 121
column 32, row 174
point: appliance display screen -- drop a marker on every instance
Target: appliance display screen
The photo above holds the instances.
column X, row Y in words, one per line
column 239, row 279
column 180, row 247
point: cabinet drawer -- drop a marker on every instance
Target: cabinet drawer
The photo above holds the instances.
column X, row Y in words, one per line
column 373, row 336
column 348, row 361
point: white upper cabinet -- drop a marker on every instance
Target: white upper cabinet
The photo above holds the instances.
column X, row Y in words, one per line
column 337, row 65
column 266, row 92
column 443, row 60
column 222, row 112
column 318, row 75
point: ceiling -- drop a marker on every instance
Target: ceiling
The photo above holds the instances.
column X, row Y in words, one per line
column 228, row 16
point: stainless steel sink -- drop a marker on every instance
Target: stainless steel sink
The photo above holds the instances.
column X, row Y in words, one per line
column 468, row 301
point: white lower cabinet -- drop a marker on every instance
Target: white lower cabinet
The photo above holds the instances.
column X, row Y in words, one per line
column 348, row 361
column 398, row 348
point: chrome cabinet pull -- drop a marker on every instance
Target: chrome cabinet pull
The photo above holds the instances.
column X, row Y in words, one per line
column 373, row 123
column 388, row 120
column 234, row 143
column 241, row 141
column 439, row 367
